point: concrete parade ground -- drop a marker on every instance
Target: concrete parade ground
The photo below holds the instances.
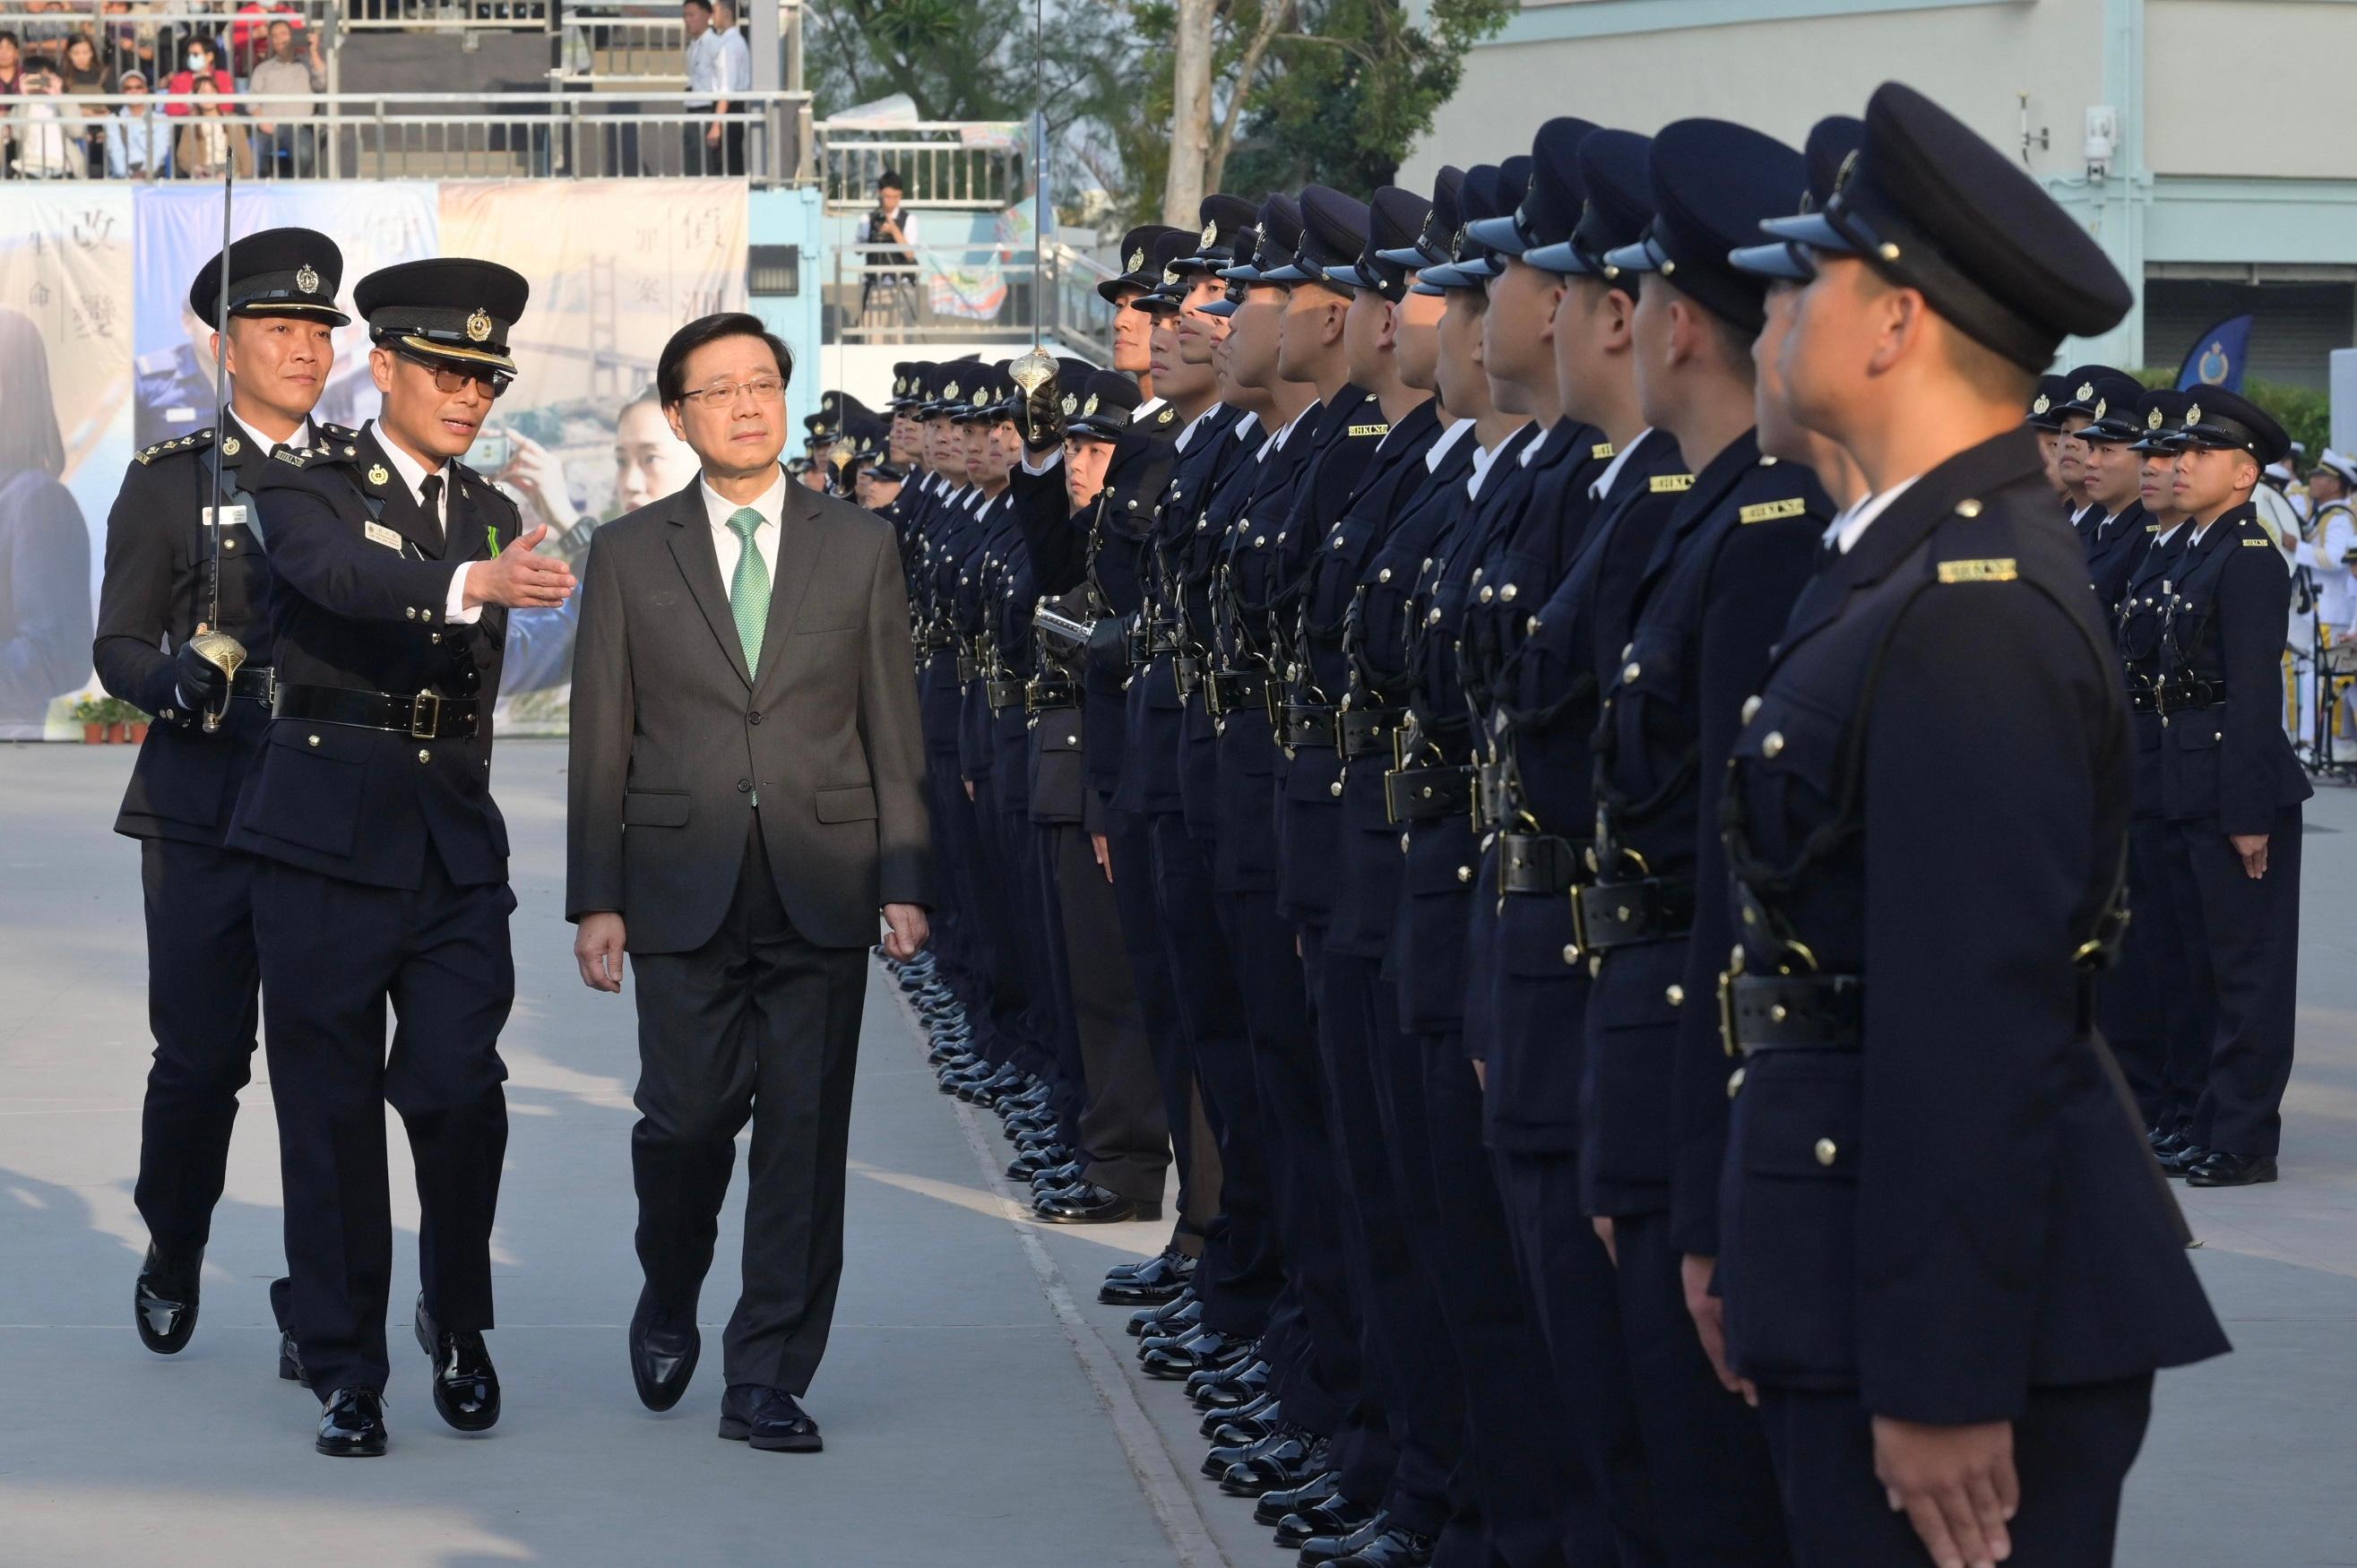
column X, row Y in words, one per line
column 980, row 1407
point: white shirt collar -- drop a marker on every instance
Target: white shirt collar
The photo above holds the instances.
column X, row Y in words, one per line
column 1850, row 527
column 1194, row 425
column 1247, row 425
column 1146, row 410
column 1531, row 451
column 1603, row 485
column 413, row 472
column 305, row 435
column 770, row 503
column 1438, row 452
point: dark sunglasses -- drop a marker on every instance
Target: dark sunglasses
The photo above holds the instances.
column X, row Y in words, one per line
column 449, row 381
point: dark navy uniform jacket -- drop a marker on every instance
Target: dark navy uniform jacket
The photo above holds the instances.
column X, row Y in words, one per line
column 1116, row 566
column 1377, row 474
column 1931, row 796
column 158, row 588
column 1193, row 564
column 1712, row 599
column 2113, row 549
column 1375, row 643
column 2227, row 756
column 352, row 611
column 1549, row 694
column 2136, row 627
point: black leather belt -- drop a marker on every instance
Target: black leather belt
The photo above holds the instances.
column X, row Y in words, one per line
column 966, row 668
column 1003, row 694
column 1231, row 691
column 1489, row 807
column 255, row 684
column 423, row 715
column 1420, row 794
column 1307, row 724
column 1047, row 691
column 1620, row 914
column 1150, row 642
column 1540, row 862
column 1365, row 730
column 1188, row 671
column 2184, row 692
column 2142, row 698
column 1791, row 1013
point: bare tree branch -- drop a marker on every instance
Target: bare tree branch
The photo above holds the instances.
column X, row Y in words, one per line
column 1273, row 15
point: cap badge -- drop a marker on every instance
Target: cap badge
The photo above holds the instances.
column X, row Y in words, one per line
column 1210, row 233
column 1089, row 407
column 2087, row 390
column 2101, row 404
column 1457, row 246
column 2043, row 404
column 378, row 474
column 1136, row 260
column 2151, row 421
column 1842, row 174
column 478, row 328
column 229, row 446
column 306, row 280
column 1169, row 275
column 2193, row 413
column 980, row 397
column 950, row 392
column 1071, row 402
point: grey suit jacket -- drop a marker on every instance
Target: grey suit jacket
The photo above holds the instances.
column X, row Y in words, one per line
column 674, row 737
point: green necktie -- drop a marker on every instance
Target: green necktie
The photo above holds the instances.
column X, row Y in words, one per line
column 749, row 590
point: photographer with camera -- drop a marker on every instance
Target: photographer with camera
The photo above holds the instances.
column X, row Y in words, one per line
column 888, row 297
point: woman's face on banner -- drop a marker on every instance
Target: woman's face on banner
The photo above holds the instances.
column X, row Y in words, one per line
column 649, row 461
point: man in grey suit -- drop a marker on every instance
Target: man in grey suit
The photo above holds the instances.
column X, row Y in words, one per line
column 746, row 791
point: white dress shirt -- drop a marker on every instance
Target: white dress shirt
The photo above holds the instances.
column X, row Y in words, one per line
column 1603, row 485
column 1450, row 434
column 708, row 68
column 718, row 509
column 1852, row 525
column 1533, row 450
column 414, row 474
column 305, row 435
column 1150, row 406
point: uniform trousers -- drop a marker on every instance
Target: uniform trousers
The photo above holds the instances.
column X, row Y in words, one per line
column 2071, row 1451
column 2155, row 1006
column 1067, row 1085
column 2252, row 929
column 1123, row 1131
column 1021, row 1016
column 757, row 1025
column 965, row 937
column 204, row 984
column 333, row 953
column 1249, row 1269
column 1130, row 850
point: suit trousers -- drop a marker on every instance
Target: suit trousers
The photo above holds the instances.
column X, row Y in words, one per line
column 204, row 1002
column 2252, row 929
column 1129, row 848
column 333, row 953
column 757, row 1025
column 2159, row 1015
column 2071, row 1451
column 1124, row 1128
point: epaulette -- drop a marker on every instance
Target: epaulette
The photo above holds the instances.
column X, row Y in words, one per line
column 1982, row 568
column 195, row 441
column 334, row 433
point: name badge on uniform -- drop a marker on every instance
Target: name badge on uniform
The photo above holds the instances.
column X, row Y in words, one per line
column 1671, row 484
column 230, row 517
column 1769, row 512
column 378, row 533
column 2256, row 544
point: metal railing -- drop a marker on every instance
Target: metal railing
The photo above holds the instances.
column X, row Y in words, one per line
column 458, row 15
column 155, row 37
column 624, row 43
column 965, row 164
column 935, row 294
column 445, row 135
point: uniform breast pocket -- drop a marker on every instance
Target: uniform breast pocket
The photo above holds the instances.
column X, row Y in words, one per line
column 846, row 803
column 1792, row 761
column 311, row 783
column 2191, row 763
column 1789, row 1217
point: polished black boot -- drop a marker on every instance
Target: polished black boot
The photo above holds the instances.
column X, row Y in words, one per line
column 164, row 1301
column 466, row 1385
column 1287, row 1459
column 2181, row 1159
column 769, row 1419
column 1089, row 1204
column 1250, row 1425
column 1208, row 1349
column 1159, row 1280
column 663, row 1352
column 1178, row 1316
column 1397, row 1547
column 1229, row 1387
column 2219, row 1168
column 1320, row 1549
column 351, row 1424
column 1273, row 1506
column 1024, row 1166
column 1333, row 1519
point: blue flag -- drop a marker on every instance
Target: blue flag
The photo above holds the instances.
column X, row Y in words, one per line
column 2217, row 357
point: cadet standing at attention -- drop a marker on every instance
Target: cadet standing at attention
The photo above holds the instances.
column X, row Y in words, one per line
column 164, row 586
column 1948, row 1270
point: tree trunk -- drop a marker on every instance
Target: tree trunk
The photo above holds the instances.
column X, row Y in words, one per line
column 1190, row 114
column 1273, row 17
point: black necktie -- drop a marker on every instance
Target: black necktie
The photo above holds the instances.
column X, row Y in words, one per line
column 429, row 498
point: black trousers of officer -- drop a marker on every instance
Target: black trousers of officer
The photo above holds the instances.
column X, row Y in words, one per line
column 333, row 953
column 2154, row 1005
column 1129, row 848
column 960, row 939
column 1123, row 1131
column 2252, row 929
column 1067, row 1085
column 757, row 1024
column 204, row 1008
column 1248, row 1265
column 1023, row 1016
column 2071, row 1451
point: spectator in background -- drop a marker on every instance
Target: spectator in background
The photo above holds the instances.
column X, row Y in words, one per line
column 249, row 39
column 201, row 66
column 735, row 82
column 707, row 79
column 288, row 134
column 11, row 83
column 211, row 140
column 47, row 27
column 45, row 605
column 44, row 141
column 85, row 76
column 139, row 143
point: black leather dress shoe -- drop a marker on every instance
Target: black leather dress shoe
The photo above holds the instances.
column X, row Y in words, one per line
column 664, row 1353
column 1089, row 1204
column 1176, row 1363
column 1250, row 1425
column 1180, row 1328
column 1333, row 1520
column 2181, row 1159
column 351, row 1424
column 1286, row 1461
column 769, row 1419
column 1158, row 1280
column 1320, row 1549
column 1398, row 1547
column 1024, row 1166
column 290, row 1359
column 2220, row 1168
column 1225, row 1457
column 1181, row 1312
column 986, row 1092
column 1313, row 1493
column 466, row 1385
column 1229, row 1387
column 948, row 1050
column 164, row 1300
